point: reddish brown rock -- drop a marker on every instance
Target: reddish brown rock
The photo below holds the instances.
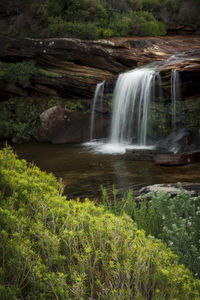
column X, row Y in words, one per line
column 189, row 70
column 59, row 125
column 82, row 64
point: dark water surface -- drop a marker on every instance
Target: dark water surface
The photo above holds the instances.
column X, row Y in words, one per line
column 83, row 171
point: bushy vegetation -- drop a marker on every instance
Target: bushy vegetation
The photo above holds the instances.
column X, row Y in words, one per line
column 160, row 117
column 52, row 248
column 22, row 72
column 175, row 220
column 20, row 117
column 92, row 19
column 87, row 19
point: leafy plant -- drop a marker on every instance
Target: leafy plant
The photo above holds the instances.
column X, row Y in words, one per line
column 18, row 72
column 180, row 226
column 22, row 72
column 20, row 117
column 175, row 220
column 56, row 249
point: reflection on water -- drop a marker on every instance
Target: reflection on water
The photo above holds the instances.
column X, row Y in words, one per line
column 83, row 171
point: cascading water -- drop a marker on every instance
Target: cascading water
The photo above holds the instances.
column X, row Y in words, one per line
column 98, row 96
column 132, row 97
column 132, row 113
column 175, row 94
column 133, row 93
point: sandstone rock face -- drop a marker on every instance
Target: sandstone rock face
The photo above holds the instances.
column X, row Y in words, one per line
column 79, row 65
column 82, row 64
column 189, row 70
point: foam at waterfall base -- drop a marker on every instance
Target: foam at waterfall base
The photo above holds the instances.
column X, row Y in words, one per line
column 113, row 148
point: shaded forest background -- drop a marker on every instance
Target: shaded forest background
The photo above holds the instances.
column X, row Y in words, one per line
column 92, row 19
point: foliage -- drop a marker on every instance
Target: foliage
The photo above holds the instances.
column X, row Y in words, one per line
column 18, row 72
column 22, row 72
column 43, row 18
column 20, row 117
column 57, row 249
column 181, row 223
column 82, row 30
column 91, row 19
column 144, row 24
column 175, row 220
column 75, row 105
column 160, row 117
column 85, row 31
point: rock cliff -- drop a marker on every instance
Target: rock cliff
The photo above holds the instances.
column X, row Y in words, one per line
column 82, row 64
column 79, row 65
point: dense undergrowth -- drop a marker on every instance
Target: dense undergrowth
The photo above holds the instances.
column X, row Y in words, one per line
column 20, row 117
column 175, row 220
column 52, row 248
column 92, row 19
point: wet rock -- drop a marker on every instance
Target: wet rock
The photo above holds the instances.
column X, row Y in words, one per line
column 173, row 189
column 172, row 159
column 142, row 154
column 181, row 141
column 189, row 69
column 82, row 64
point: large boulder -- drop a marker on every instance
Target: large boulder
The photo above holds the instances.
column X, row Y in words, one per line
column 60, row 125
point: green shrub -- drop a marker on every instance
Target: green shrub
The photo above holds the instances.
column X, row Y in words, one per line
column 105, row 32
column 175, row 220
column 180, row 226
column 144, row 24
column 20, row 117
column 145, row 216
column 91, row 19
column 151, row 5
column 56, row 249
column 82, row 30
column 59, row 27
column 121, row 25
column 20, row 72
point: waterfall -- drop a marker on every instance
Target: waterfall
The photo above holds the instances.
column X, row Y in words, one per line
column 175, row 94
column 133, row 93
column 98, row 96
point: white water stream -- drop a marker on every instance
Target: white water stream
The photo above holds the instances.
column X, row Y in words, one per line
column 175, row 95
column 98, row 96
column 132, row 97
column 134, row 91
